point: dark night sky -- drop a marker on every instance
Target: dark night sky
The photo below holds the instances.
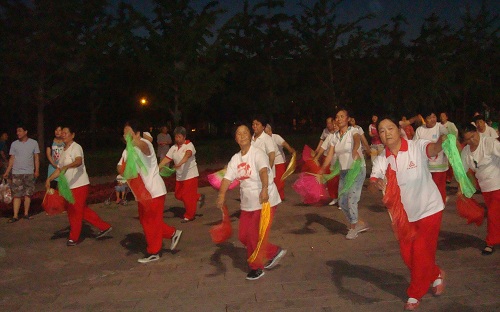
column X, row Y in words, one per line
column 414, row 10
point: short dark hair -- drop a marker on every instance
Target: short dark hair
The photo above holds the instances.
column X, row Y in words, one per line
column 22, row 126
column 239, row 124
column 428, row 111
column 479, row 117
column 388, row 117
column 135, row 125
column 261, row 118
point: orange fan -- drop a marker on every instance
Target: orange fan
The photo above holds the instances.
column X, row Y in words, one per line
column 470, row 209
column 223, row 231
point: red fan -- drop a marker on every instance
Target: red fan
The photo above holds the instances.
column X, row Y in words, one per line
column 223, row 231
column 307, row 153
column 311, row 166
column 215, row 180
column 402, row 227
column 53, row 203
column 470, row 209
column 309, row 188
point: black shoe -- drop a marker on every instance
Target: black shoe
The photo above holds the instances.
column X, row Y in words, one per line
column 104, row 232
column 255, row 274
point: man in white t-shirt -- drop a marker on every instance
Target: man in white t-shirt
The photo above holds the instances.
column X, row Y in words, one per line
column 262, row 140
column 25, row 164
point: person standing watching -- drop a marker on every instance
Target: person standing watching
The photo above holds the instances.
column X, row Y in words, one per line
column 4, row 160
column 24, row 162
column 164, row 140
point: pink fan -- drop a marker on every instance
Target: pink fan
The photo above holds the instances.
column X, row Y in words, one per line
column 308, row 187
column 215, row 179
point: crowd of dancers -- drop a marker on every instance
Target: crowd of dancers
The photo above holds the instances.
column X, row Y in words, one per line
column 408, row 165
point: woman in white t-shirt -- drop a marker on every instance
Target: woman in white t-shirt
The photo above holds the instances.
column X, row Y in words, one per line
column 72, row 164
column 482, row 156
column 346, row 145
column 279, row 159
column 251, row 167
column 186, row 176
column 149, row 191
column 421, row 201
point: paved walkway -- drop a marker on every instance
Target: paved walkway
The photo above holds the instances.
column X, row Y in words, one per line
column 321, row 272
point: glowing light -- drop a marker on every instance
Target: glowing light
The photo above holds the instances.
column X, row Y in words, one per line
column 144, row 101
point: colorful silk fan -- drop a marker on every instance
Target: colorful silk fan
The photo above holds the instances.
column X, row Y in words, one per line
column 470, row 209
column 334, row 171
column 63, row 187
column 53, row 203
column 133, row 161
column 309, row 188
column 307, row 153
column 402, row 227
column 166, row 171
column 215, row 180
column 351, row 176
column 259, row 257
column 451, row 151
column 223, row 231
column 136, row 185
column 290, row 168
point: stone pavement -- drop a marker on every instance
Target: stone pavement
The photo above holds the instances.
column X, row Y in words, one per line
column 321, row 272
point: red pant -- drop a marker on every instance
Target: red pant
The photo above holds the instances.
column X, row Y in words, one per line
column 449, row 174
column 249, row 234
column 187, row 192
column 440, row 179
column 280, row 170
column 151, row 218
column 419, row 255
column 333, row 186
column 492, row 200
column 79, row 211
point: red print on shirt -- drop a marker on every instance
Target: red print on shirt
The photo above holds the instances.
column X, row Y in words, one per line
column 412, row 165
column 244, row 171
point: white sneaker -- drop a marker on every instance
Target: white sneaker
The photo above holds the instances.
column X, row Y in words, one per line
column 274, row 261
column 361, row 227
column 333, row 202
column 175, row 239
column 149, row 259
column 352, row 234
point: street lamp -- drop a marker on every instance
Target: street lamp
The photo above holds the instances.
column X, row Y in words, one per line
column 144, row 101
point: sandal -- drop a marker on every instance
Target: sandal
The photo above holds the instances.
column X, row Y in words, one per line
column 12, row 220
column 27, row 217
column 488, row 250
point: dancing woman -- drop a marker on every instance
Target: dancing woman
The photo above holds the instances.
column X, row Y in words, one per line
column 422, row 204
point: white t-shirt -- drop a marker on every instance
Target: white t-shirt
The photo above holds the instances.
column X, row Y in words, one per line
column 189, row 169
column 151, row 179
column 343, row 147
column 439, row 163
column 489, row 132
column 280, row 155
column 419, row 194
column 76, row 176
column 246, row 169
column 450, row 126
column 485, row 162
